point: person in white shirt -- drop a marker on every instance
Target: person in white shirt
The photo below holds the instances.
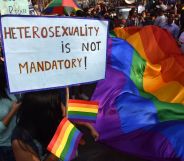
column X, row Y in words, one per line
column 171, row 26
column 161, row 19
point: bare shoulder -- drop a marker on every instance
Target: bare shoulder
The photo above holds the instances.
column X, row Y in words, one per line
column 23, row 151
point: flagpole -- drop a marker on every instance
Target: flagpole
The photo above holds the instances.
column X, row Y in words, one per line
column 67, row 97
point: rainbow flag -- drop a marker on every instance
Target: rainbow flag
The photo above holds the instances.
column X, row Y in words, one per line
column 61, row 7
column 141, row 100
column 80, row 110
column 65, row 141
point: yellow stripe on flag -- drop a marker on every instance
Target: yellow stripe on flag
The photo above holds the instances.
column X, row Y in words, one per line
column 137, row 44
column 60, row 137
column 64, row 140
column 82, row 105
column 81, row 109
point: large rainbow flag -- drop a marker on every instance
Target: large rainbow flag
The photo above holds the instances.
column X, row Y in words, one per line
column 142, row 97
column 61, row 7
column 82, row 110
column 65, row 141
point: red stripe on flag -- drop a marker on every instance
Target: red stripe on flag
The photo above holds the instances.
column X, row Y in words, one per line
column 83, row 102
column 54, row 139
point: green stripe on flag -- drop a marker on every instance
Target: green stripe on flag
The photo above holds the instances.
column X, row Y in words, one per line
column 166, row 111
column 81, row 113
column 67, row 145
column 137, row 70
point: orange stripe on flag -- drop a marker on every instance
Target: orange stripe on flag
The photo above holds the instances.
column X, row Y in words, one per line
column 83, row 102
column 59, row 138
column 82, row 105
column 57, row 133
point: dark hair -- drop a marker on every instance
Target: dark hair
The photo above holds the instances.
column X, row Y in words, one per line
column 80, row 13
column 40, row 114
column 3, row 83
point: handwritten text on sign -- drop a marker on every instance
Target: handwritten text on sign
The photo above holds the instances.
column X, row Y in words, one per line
column 47, row 52
column 18, row 7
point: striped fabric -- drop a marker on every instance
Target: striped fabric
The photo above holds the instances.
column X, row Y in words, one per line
column 80, row 110
column 141, row 100
column 61, row 7
column 65, row 141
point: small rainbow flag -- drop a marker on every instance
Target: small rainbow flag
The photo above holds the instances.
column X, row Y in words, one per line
column 65, row 141
column 80, row 110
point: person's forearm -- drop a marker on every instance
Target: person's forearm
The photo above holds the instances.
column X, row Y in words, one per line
column 15, row 106
column 6, row 120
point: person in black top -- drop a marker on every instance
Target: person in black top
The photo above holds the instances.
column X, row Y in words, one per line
column 37, row 119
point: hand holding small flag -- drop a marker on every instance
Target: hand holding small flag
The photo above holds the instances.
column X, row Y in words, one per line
column 65, row 141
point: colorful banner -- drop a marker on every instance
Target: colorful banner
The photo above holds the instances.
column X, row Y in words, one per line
column 16, row 7
column 61, row 7
column 141, row 100
column 50, row 52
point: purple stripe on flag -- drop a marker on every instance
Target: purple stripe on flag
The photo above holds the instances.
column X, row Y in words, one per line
column 76, row 146
column 73, row 144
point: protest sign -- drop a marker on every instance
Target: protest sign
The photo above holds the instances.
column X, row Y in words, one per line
column 18, row 7
column 50, row 52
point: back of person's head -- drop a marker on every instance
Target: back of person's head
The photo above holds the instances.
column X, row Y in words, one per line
column 33, row 2
column 40, row 114
column 170, row 19
column 160, row 12
column 132, row 12
column 80, row 13
column 3, row 82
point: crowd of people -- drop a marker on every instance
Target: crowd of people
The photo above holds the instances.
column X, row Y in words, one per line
column 167, row 14
column 28, row 121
